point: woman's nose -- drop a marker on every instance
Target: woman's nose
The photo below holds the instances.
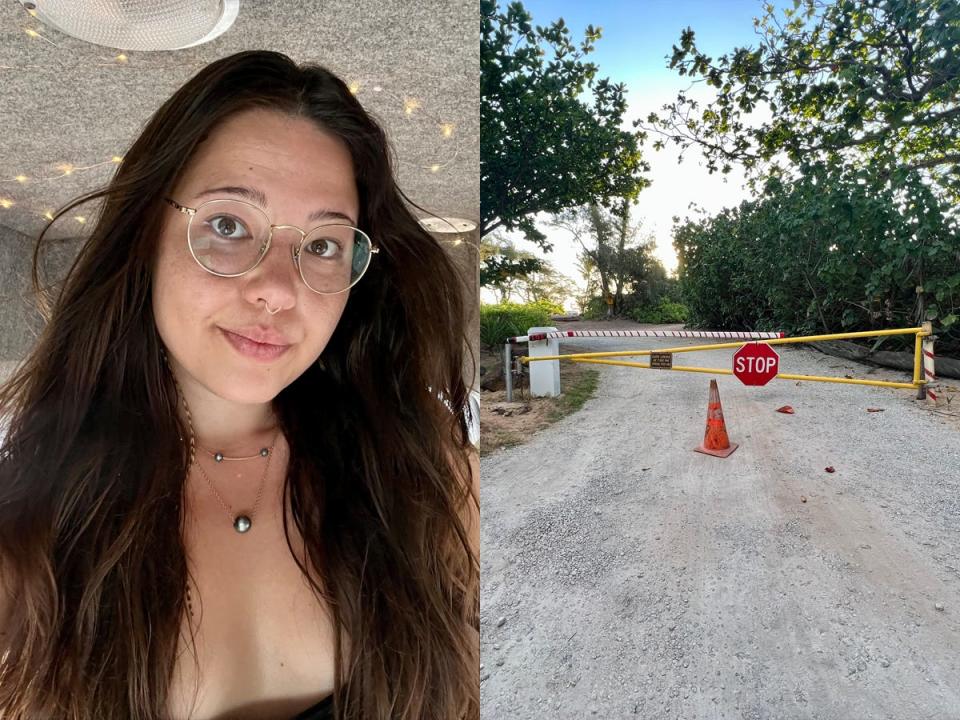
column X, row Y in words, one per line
column 277, row 276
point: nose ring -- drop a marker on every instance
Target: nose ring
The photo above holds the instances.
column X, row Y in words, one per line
column 272, row 312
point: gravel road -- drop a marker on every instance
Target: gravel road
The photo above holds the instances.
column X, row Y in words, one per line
column 624, row 575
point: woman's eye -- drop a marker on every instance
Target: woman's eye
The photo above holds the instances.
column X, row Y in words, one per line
column 324, row 247
column 227, row 226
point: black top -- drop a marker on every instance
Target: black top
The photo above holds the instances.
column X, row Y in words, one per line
column 323, row 710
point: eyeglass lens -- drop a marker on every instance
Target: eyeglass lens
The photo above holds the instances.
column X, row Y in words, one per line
column 228, row 237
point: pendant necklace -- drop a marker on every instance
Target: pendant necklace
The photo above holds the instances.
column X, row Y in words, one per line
column 243, row 521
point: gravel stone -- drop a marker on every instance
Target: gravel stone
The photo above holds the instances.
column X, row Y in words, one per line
column 702, row 588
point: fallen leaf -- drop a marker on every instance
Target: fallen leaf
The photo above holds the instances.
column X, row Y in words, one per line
column 830, row 469
column 874, row 409
column 786, row 410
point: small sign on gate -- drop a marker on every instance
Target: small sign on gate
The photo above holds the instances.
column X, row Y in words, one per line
column 661, row 360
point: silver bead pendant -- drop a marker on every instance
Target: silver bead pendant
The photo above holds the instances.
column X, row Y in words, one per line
column 218, row 457
column 242, row 523
column 264, row 452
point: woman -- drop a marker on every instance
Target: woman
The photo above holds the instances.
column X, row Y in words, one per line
column 236, row 479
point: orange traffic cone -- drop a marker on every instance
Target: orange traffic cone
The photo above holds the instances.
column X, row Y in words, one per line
column 715, row 440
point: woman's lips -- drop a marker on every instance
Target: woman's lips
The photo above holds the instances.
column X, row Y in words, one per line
column 258, row 351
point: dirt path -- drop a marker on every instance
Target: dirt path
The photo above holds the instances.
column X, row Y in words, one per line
column 624, row 575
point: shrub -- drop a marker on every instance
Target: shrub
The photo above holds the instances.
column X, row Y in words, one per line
column 666, row 312
column 499, row 322
column 596, row 309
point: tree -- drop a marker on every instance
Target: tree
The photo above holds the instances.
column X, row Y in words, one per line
column 547, row 285
column 551, row 134
column 826, row 253
column 515, row 273
column 862, row 103
column 867, row 82
column 611, row 249
column 503, row 266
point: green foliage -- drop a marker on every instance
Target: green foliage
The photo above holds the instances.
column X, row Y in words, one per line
column 614, row 260
column 515, row 273
column 505, row 320
column 547, row 286
column 835, row 251
column 543, row 146
column 867, row 83
column 595, row 309
column 503, row 266
column 665, row 312
column 857, row 230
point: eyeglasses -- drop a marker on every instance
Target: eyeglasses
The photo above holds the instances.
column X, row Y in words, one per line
column 229, row 238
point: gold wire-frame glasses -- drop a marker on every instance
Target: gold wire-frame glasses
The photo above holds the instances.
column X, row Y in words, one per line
column 362, row 248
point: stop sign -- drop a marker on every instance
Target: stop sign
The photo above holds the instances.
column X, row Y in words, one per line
column 756, row 364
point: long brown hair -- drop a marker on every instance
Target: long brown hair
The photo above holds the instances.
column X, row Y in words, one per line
column 92, row 468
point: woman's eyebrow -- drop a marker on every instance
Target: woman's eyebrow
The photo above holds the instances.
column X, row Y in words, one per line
column 258, row 197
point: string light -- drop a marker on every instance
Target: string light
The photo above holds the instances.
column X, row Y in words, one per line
column 65, row 170
column 410, row 106
column 34, row 34
column 460, row 241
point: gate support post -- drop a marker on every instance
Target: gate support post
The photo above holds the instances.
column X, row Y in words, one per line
column 508, row 371
column 928, row 391
column 544, row 375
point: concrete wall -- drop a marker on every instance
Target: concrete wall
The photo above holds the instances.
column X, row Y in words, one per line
column 19, row 320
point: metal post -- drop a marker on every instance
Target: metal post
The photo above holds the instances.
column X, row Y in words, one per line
column 918, row 367
column 508, row 372
column 930, row 389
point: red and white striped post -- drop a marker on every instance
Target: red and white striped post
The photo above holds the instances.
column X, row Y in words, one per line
column 931, row 389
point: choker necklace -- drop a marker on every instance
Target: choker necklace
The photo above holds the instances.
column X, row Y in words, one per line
column 242, row 522
column 220, row 457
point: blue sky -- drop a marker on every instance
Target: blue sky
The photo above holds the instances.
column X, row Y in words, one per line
column 638, row 36
column 634, row 49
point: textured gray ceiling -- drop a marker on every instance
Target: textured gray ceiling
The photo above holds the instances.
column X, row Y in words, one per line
column 63, row 101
